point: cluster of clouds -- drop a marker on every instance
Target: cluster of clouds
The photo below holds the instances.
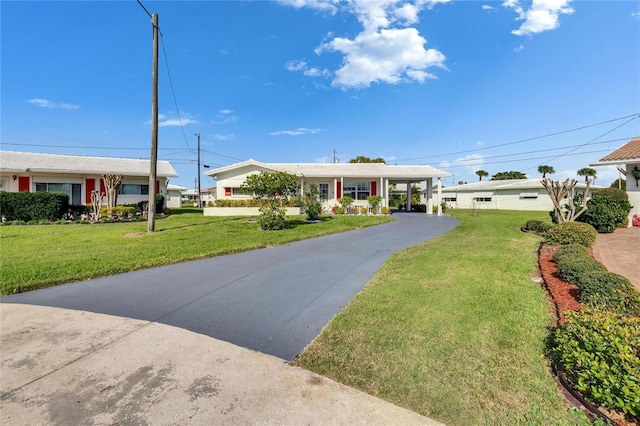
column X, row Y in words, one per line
column 389, row 49
column 46, row 103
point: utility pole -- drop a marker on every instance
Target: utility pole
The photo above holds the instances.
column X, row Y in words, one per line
column 151, row 221
column 199, row 201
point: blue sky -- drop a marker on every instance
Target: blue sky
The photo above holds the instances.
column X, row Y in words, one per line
column 459, row 85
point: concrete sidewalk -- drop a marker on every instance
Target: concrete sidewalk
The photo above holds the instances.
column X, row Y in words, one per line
column 620, row 252
column 70, row 367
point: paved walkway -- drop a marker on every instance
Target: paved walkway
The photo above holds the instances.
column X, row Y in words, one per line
column 154, row 347
column 620, row 252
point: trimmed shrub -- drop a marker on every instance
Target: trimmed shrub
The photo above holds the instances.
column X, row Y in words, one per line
column 606, row 210
column 571, row 233
column 118, row 212
column 572, row 268
column 272, row 217
column 608, row 291
column 538, row 226
column 600, row 354
column 570, row 251
column 33, row 206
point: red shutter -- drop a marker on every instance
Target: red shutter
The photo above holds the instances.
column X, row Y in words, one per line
column 157, row 187
column 103, row 190
column 23, row 184
column 339, row 190
column 373, row 187
column 90, row 186
column 227, row 192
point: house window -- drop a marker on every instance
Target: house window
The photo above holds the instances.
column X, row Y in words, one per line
column 73, row 190
column 2, row 188
column 133, row 189
column 482, row 199
column 529, row 195
column 323, row 188
column 238, row 192
column 356, row 190
column 450, row 199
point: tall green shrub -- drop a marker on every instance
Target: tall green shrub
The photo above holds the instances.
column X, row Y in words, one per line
column 33, row 206
column 606, row 210
column 311, row 202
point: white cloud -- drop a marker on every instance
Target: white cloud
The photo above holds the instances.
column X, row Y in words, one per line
column 543, row 15
column 164, row 121
column 636, row 15
column 388, row 50
column 297, row 132
column 323, row 160
column 225, row 116
column 487, row 7
column 322, row 5
column 389, row 55
column 224, row 137
column 46, row 103
column 471, row 163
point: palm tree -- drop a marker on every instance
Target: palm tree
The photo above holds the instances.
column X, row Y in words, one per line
column 482, row 173
column 546, row 169
column 587, row 172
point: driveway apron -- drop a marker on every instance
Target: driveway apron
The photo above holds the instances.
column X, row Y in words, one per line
column 274, row 300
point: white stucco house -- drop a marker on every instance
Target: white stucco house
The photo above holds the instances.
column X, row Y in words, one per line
column 514, row 194
column 78, row 175
column 627, row 158
column 174, row 195
column 334, row 180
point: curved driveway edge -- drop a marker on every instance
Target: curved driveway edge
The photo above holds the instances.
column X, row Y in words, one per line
column 274, row 300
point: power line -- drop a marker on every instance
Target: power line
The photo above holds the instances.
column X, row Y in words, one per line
column 633, row 116
column 144, row 8
column 175, row 100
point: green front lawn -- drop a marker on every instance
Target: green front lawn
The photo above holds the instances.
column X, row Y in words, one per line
column 37, row 256
column 453, row 329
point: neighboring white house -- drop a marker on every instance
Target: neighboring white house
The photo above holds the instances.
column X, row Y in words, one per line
column 334, row 180
column 78, row 175
column 174, row 195
column 514, row 194
column 627, row 157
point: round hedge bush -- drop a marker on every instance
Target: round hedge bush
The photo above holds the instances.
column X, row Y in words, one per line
column 571, row 233
column 570, row 251
column 571, row 269
column 609, row 291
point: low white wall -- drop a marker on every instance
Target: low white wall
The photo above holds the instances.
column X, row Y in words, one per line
column 243, row 211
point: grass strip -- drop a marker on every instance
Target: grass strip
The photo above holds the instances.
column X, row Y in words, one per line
column 453, row 329
column 38, row 256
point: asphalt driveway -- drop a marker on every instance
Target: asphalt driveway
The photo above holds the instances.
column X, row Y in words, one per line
column 273, row 300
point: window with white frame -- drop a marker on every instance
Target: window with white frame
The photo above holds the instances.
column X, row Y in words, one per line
column 482, row 199
column 73, row 190
column 356, row 190
column 133, row 189
column 450, row 199
column 323, row 189
column 238, row 192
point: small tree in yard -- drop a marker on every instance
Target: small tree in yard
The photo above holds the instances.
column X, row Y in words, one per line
column 112, row 184
column 374, row 201
column 272, row 189
column 311, row 202
column 346, row 202
column 559, row 191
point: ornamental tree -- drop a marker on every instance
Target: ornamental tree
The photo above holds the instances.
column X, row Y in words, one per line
column 272, row 188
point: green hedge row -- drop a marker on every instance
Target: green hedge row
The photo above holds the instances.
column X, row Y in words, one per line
column 599, row 347
column 33, row 206
column 254, row 202
column 571, row 233
column 599, row 351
